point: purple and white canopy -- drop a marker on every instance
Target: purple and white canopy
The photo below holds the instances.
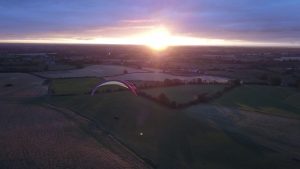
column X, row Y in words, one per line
column 126, row 84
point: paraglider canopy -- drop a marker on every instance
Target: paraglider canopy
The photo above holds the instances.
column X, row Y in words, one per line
column 126, row 84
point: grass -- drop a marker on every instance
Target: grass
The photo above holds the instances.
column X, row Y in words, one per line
column 35, row 137
column 90, row 71
column 183, row 94
column 170, row 138
column 57, row 67
column 157, row 76
column 181, row 138
column 293, row 100
column 73, row 85
column 267, row 99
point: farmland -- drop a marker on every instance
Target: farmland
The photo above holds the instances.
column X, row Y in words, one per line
column 170, row 137
column 275, row 100
column 183, row 94
column 208, row 107
column 239, row 123
column 114, row 72
column 159, row 76
column 73, row 85
column 240, row 130
column 37, row 136
column 90, row 71
column 21, row 85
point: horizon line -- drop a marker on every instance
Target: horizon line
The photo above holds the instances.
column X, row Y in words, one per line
column 261, row 45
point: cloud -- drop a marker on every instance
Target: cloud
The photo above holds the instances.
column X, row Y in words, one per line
column 253, row 20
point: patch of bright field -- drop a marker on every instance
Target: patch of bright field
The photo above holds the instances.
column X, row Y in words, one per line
column 267, row 99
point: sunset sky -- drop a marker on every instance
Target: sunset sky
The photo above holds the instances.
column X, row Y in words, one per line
column 184, row 22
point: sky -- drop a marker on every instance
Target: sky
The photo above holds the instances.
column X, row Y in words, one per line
column 231, row 22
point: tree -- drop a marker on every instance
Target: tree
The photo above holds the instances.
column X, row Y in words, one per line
column 8, row 85
column 199, row 80
column 276, row 81
column 78, row 65
column 236, row 82
column 167, row 82
column 163, row 99
column 174, row 104
column 177, row 82
column 202, row 98
column 263, row 77
column 298, row 83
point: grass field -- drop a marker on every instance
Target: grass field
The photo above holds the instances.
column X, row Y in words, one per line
column 157, row 76
column 183, row 94
column 21, row 85
column 35, row 137
column 73, row 85
column 171, row 139
column 203, row 136
column 59, row 67
column 90, row 71
column 267, row 99
column 39, row 137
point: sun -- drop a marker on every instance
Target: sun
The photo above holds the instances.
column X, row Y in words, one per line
column 157, row 39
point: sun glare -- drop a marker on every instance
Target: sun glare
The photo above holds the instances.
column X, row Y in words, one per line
column 158, row 39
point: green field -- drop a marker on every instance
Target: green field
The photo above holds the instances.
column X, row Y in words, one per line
column 58, row 67
column 171, row 139
column 34, row 136
column 73, row 85
column 90, row 71
column 183, row 94
column 202, row 136
column 266, row 99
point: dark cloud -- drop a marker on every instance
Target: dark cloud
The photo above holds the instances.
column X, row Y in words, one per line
column 253, row 20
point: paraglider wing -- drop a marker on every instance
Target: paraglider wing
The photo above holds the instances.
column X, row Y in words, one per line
column 132, row 87
column 124, row 84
